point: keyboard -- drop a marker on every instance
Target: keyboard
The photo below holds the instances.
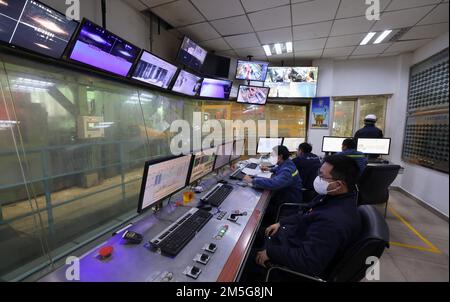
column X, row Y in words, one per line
column 252, row 166
column 238, row 174
column 174, row 238
column 217, row 195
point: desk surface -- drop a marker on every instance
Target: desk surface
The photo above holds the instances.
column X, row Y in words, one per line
column 136, row 263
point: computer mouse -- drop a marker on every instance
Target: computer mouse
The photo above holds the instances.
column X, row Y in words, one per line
column 205, row 207
column 242, row 184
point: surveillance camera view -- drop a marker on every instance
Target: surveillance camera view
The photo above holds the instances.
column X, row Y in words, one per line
column 253, row 95
column 191, row 54
column 216, row 88
column 292, row 82
column 153, row 70
column 187, row 83
column 34, row 26
column 251, row 71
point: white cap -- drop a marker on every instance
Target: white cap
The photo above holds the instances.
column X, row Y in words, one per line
column 371, row 117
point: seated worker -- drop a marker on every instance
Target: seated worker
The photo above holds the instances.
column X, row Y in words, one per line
column 349, row 149
column 310, row 241
column 285, row 182
column 308, row 165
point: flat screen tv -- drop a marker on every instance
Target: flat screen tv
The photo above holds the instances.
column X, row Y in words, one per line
column 216, row 66
column 155, row 71
column 253, row 95
column 187, row 83
column 31, row 25
column 251, row 70
column 99, row 48
column 292, row 82
column 191, row 54
column 213, row 88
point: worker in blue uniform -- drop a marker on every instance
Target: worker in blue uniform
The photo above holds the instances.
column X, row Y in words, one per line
column 369, row 130
column 349, row 149
column 308, row 165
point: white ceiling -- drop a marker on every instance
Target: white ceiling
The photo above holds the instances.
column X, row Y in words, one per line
column 318, row 28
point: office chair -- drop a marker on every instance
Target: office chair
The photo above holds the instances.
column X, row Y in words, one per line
column 351, row 266
column 373, row 186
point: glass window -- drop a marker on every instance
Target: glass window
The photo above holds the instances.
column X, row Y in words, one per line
column 343, row 118
column 373, row 105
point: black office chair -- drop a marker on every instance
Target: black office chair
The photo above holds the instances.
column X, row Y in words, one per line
column 373, row 186
column 352, row 266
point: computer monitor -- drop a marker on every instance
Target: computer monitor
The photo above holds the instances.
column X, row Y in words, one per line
column 266, row 144
column 213, row 88
column 251, row 70
column 379, row 146
column 292, row 143
column 292, row 82
column 162, row 178
column 253, row 95
column 153, row 70
column 238, row 149
column 34, row 26
column 187, row 83
column 332, row 144
column 203, row 164
column 223, row 155
column 191, row 54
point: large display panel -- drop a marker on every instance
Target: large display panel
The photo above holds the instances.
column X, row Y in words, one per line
column 153, row 70
column 332, row 143
column 191, row 55
column 292, row 82
column 97, row 47
column 34, row 26
column 251, row 70
column 162, row 178
column 223, row 155
column 216, row 66
column 266, row 144
column 292, row 143
column 380, row 146
column 213, row 88
column 187, row 83
column 203, row 164
column 253, row 95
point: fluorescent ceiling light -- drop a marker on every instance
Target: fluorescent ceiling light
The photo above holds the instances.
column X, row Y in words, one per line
column 289, row 47
column 278, row 49
column 368, row 37
column 382, row 36
column 267, row 50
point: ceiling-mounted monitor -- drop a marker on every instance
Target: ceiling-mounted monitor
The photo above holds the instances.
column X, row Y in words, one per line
column 292, row 82
column 153, row 70
column 95, row 46
column 251, row 70
column 252, row 95
column 187, row 83
column 191, row 54
column 213, row 88
column 216, row 66
column 34, row 26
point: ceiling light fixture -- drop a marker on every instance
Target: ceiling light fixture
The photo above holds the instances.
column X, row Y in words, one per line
column 289, row 47
column 367, row 38
column 382, row 36
column 278, row 49
column 267, row 50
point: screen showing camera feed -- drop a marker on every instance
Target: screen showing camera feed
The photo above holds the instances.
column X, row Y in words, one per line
column 97, row 47
column 34, row 26
column 155, row 71
column 187, row 83
column 216, row 88
column 292, row 82
column 191, row 54
column 203, row 164
column 253, row 95
column 251, row 71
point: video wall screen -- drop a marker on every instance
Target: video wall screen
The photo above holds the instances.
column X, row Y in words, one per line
column 251, row 70
column 97, row 47
column 153, row 70
column 216, row 88
column 292, row 82
column 253, row 95
column 34, row 26
column 187, row 83
column 191, row 54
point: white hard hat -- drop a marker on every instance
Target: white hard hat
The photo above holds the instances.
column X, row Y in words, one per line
column 371, row 117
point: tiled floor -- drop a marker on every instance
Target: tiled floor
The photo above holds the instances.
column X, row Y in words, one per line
column 420, row 261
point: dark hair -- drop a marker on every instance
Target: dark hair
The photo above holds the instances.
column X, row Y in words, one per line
column 345, row 169
column 283, row 151
column 350, row 143
column 305, row 148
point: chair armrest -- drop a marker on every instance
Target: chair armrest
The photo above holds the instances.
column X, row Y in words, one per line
column 283, row 269
column 299, row 205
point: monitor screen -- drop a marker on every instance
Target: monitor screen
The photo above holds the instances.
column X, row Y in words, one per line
column 162, row 178
column 191, row 54
column 203, row 164
column 374, row 145
column 251, row 70
column 266, row 144
column 223, row 155
column 97, row 47
column 332, row 144
column 187, row 83
column 212, row 88
column 34, row 26
column 238, row 150
column 292, row 82
column 216, row 66
column 155, row 71
column 253, row 95
column 292, row 143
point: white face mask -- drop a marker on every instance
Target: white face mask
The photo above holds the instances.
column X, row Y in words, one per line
column 273, row 159
column 321, row 186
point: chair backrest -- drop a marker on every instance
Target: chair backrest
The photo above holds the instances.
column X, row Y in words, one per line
column 374, row 183
column 374, row 238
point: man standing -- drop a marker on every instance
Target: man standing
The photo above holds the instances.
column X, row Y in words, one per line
column 369, row 130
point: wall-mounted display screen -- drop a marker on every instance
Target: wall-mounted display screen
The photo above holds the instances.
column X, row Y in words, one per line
column 253, row 95
column 216, row 88
column 251, row 70
column 34, row 26
column 97, row 47
column 153, row 70
column 187, row 83
column 191, row 55
column 292, row 82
